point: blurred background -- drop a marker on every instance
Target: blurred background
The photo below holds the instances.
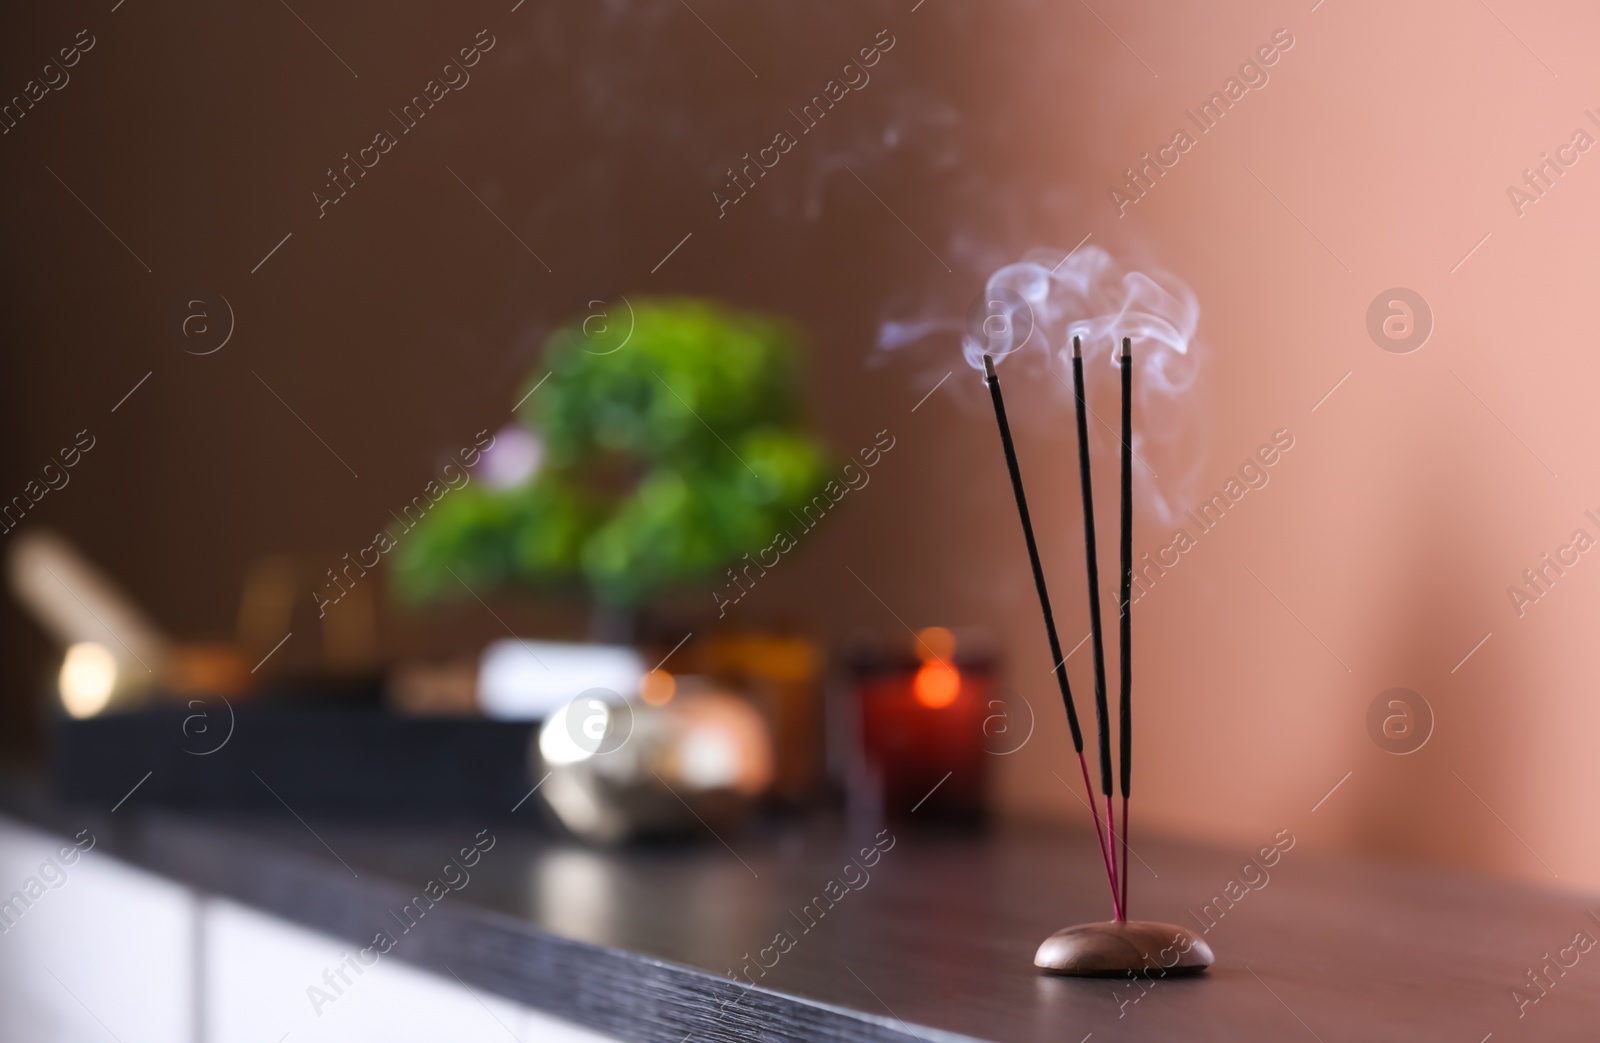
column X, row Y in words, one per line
column 1387, row 286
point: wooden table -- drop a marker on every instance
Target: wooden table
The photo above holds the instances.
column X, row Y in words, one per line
column 933, row 941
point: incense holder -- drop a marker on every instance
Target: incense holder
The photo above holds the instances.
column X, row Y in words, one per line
column 1118, row 948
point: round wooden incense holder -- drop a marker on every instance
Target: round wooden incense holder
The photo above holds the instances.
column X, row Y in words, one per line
column 1118, row 948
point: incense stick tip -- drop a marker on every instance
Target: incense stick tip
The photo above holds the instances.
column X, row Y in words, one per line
column 1077, row 348
column 988, row 367
column 1127, row 347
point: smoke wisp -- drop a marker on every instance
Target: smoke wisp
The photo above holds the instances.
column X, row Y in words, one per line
column 1029, row 312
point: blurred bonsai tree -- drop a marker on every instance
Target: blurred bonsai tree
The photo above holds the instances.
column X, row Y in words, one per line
column 672, row 446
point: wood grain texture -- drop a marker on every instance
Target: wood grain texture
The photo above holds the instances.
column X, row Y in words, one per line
column 937, row 930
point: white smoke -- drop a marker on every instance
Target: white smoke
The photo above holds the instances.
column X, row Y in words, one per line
column 1027, row 316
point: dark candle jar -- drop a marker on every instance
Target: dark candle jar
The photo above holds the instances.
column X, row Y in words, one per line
column 925, row 719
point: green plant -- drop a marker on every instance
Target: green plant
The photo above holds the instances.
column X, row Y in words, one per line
column 672, row 448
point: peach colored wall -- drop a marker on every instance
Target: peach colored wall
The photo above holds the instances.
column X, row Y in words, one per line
column 1377, row 155
column 1419, row 490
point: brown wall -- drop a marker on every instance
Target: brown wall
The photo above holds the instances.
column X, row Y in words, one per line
column 400, row 323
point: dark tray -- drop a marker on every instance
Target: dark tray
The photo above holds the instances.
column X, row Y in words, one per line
column 357, row 757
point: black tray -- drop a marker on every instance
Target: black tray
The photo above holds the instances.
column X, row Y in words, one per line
column 312, row 756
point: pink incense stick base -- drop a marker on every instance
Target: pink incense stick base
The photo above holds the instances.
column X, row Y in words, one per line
column 1119, row 948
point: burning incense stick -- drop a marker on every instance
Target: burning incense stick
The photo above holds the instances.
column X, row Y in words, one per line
column 1101, row 713
column 1125, row 709
column 993, row 380
column 1096, row 949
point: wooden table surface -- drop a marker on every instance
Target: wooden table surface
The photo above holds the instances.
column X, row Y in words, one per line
column 933, row 941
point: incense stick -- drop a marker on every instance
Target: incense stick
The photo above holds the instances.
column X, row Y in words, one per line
column 993, row 380
column 1101, row 713
column 1125, row 709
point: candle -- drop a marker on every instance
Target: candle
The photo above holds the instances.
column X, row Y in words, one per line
column 922, row 710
